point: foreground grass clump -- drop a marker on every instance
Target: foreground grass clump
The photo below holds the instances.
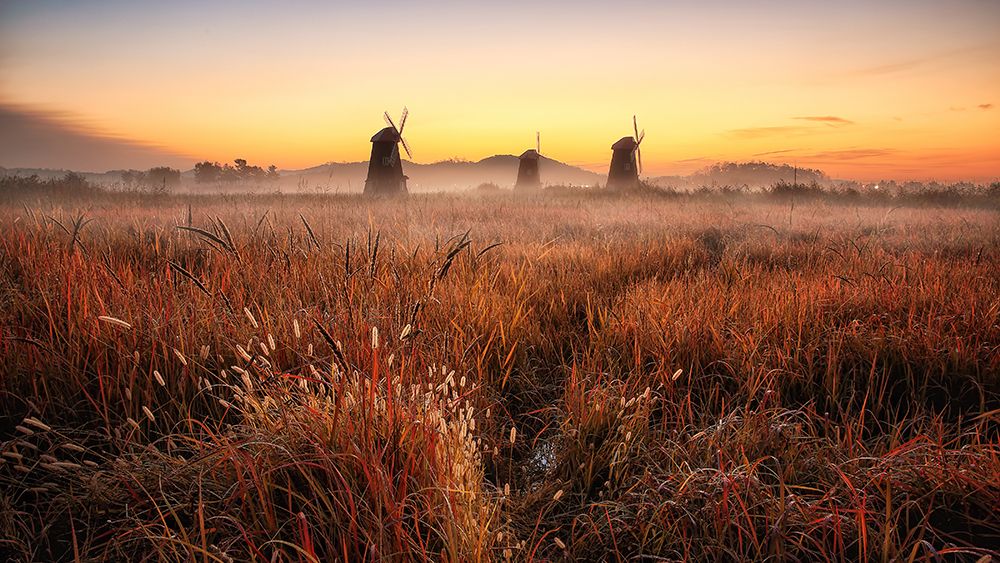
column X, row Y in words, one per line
column 441, row 378
column 330, row 466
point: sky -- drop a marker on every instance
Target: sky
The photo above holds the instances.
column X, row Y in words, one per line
column 901, row 89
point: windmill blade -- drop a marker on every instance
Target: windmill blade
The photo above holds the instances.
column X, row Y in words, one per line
column 406, row 147
column 642, row 135
column 635, row 126
column 402, row 120
column 638, row 152
column 538, row 142
column 389, row 121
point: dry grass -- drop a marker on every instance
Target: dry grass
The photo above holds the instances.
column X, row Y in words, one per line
column 314, row 379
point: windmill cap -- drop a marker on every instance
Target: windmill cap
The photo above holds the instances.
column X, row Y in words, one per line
column 387, row 135
column 530, row 153
column 624, row 144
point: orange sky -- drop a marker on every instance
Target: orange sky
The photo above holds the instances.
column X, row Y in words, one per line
column 906, row 89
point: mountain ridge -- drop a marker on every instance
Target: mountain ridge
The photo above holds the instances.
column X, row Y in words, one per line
column 499, row 169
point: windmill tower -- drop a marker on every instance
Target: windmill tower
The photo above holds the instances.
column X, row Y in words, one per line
column 626, row 161
column 527, row 169
column 385, row 169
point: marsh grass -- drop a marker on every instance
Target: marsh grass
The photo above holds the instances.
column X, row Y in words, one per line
column 449, row 378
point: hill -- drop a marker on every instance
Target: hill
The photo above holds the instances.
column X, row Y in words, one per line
column 448, row 175
column 749, row 174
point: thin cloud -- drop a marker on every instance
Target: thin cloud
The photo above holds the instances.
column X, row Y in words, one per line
column 905, row 65
column 851, row 154
column 827, row 119
column 891, row 68
column 791, row 130
column 696, row 159
column 33, row 138
column 770, row 153
column 760, row 132
column 985, row 107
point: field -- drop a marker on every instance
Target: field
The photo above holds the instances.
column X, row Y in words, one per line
column 457, row 378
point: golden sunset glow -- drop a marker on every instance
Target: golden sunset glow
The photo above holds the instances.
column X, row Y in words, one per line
column 899, row 90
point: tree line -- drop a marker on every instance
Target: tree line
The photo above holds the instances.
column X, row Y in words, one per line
column 212, row 172
column 166, row 179
column 159, row 179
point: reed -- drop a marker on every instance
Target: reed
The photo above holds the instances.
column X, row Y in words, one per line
column 464, row 379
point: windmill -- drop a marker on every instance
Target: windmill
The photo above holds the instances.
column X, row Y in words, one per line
column 385, row 169
column 626, row 161
column 527, row 169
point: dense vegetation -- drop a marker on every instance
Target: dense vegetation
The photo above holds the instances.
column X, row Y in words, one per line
column 306, row 378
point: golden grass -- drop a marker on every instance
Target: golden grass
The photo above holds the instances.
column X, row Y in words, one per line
column 447, row 378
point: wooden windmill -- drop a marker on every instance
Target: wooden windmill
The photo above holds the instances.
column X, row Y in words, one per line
column 385, row 169
column 528, row 177
column 626, row 161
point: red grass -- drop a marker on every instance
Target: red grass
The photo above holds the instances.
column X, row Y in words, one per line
column 696, row 385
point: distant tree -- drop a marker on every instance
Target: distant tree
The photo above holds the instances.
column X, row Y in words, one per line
column 207, row 172
column 133, row 179
column 240, row 171
column 163, row 179
column 228, row 174
column 245, row 172
column 74, row 181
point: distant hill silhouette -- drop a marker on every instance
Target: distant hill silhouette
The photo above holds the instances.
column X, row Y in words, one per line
column 749, row 174
column 448, row 175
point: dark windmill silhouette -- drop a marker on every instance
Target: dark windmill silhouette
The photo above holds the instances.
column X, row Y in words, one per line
column 385, row 169
column 528, row 177
column 626, row 161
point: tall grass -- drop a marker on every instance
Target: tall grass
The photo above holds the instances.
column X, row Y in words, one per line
column 447, row 378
